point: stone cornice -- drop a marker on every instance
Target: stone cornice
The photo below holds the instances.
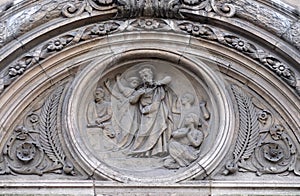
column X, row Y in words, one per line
column 32, row 15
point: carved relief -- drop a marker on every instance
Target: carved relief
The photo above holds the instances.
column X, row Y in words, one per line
column 262, row 16
column 196, row 29
column 35, row 148
column 184, row 144
column 245, row 47
column 293, row 35
column 145, row 117
column 100, row 113
column 27, row 19
column 33, row 57
column 75, row 8
column 157, row 8
column 263, row 146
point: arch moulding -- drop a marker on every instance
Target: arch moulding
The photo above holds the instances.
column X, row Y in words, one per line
column 115, row 97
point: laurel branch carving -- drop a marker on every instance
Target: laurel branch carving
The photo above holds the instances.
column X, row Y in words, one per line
column 34, row 147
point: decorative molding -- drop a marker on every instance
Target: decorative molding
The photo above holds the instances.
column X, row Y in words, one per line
column 264, row 149
column 269, row 19
column 76, row 8
column 262, row 16
column 147, row 8
column 51, row 47
column 241, row 45
column 12, row 26
column 35, row 148
column 293, row 35
column 195, row 29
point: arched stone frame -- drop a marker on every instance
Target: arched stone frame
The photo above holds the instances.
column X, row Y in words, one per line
column 236, row 66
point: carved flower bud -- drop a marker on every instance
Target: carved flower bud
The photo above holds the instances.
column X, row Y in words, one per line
column 148, row 24
column 263, row 116
column 68, row 168
column 231, row 168
column 276, row 132
column 17, row 69
column 33, row 118
column 281, row 69
column 101, row 29
column 26, row 151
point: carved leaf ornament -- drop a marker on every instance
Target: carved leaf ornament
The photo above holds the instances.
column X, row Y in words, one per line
column 265, row 149
column 249, row 128
column 48, row 129
column 28, row 146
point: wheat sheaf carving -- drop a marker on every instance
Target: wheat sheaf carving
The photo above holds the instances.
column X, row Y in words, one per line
column 248, row 135
column 48, row 128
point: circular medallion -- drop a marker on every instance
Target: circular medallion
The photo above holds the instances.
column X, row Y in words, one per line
column 149, row 120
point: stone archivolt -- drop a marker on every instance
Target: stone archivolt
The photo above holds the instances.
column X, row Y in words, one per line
column 149, row 91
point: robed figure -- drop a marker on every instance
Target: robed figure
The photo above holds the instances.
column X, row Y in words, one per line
column 154, row 102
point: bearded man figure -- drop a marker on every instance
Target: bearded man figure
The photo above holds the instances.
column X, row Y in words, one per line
column 154, row 103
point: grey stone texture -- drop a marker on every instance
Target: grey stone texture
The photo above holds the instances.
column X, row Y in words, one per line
column 149, row 97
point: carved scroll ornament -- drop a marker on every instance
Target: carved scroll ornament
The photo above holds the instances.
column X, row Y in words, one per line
column 263, row 146
column 35, row 148
column 157, row 8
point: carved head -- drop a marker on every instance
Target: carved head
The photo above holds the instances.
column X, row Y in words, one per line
column 187, row 98
column 191, row 119
column 99, row 94
column 146, row 74
column 133, row 82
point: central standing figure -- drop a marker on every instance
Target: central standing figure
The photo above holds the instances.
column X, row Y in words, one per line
column 154, row 103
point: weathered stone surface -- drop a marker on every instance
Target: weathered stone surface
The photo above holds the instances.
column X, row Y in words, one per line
column 149, row 98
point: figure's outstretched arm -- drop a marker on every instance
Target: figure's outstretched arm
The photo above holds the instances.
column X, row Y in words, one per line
column 136, row 96
column 165, row 80
column 126, row 91
column 180, row 133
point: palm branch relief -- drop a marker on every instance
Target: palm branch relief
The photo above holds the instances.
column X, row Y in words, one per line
column 262, row 145
column 48, row 131
column 34, row 147
column 248, row 130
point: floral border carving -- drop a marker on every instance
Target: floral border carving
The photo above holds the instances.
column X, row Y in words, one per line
column 195, row 29
column 12, row 26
